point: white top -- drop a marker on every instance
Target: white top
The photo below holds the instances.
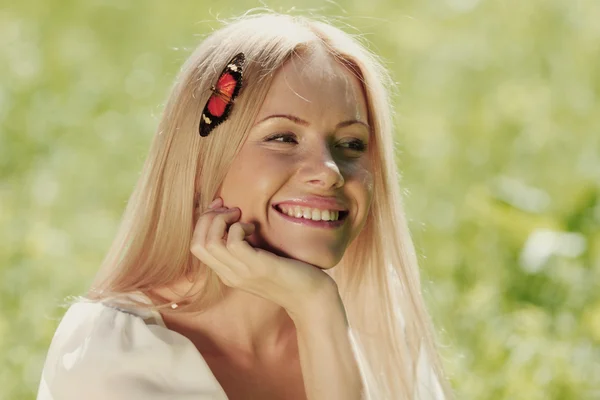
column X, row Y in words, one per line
column 108, row 351
column 111, row 350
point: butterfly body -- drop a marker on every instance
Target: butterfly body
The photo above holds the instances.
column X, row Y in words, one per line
column 219, row 105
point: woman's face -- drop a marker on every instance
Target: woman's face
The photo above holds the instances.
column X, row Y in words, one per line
column 320, row 107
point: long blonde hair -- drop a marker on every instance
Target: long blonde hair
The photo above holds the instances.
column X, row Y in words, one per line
column 378, row 276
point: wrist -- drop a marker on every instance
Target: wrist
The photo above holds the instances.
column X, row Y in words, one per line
column 327, row 306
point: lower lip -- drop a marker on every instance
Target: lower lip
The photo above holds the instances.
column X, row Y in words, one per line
column 310, row 222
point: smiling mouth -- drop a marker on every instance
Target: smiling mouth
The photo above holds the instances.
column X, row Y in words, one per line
column 342, row 215
column 314, row 223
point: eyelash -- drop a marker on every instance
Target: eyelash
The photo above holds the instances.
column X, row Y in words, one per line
column 362, row 145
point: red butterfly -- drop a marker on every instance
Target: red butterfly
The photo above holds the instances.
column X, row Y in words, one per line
column 219, row 104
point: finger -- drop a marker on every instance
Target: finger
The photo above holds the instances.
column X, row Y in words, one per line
column 238, row 232
column 216, row 203
column 198, row 242
column 237, row 244
column 204, row 222
column 235, row 269
column 202, row 225
column 214, row 210
column 218, row 228
column 237, row 254
column 198, row 248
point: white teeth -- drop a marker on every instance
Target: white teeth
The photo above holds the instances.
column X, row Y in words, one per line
column 310, row 213
column 307, row 214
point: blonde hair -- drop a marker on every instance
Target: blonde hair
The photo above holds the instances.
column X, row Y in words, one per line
column 378, row 276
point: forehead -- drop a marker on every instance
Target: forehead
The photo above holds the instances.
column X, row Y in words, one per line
column 316, row 88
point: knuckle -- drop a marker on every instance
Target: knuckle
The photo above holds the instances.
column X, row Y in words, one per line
column 235, row 246
column 196, row 248
column 232, row 282
column 217, row 216
column 210, row 215
column 223, row 217
column 211, row 245
column 204, row 215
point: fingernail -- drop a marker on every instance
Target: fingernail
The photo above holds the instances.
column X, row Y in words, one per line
column 214, row 203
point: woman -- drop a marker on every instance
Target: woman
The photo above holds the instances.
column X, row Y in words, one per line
column 273, row 163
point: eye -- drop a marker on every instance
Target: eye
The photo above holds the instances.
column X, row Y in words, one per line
column 358, row 144
column 281, row 136
column 355, row 144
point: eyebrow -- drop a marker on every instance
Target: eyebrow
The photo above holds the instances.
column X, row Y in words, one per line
column 302, row 122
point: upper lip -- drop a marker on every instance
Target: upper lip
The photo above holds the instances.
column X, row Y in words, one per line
column 322, row 203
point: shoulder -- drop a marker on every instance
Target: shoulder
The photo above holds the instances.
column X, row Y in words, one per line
column 103, row 350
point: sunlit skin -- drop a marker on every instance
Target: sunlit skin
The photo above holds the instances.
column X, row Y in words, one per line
column 318, row 94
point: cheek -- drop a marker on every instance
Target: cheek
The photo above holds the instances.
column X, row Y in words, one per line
column 363, row 180
column 266, row 165
column 363, row 188
column 363, row 177
column 255, row 174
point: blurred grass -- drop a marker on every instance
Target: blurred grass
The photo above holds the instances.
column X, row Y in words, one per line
column 497, row 112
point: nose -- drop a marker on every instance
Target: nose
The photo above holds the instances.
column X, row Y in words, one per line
column 320, row 169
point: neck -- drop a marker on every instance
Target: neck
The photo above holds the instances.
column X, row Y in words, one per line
column 241, row 326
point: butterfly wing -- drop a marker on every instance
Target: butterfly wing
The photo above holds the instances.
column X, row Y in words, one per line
column 224, row 91
column 219, row 104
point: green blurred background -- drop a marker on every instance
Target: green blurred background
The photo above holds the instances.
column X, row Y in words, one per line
column 499, row 131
